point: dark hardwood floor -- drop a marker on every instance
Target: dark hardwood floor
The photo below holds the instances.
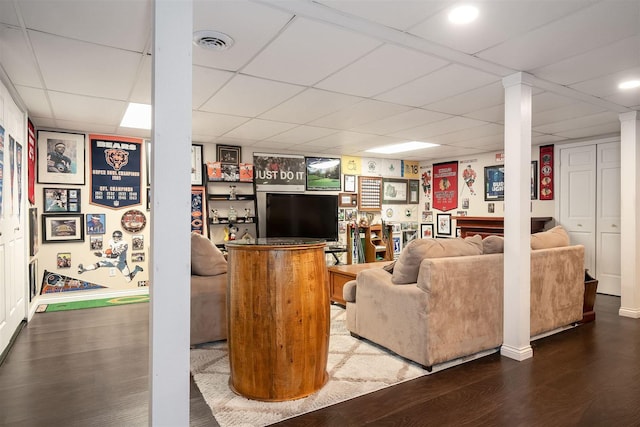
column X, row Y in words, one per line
column 90, row 367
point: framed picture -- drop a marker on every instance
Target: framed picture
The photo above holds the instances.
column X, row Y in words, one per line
column 96, row 223
column 61, row 199
column 33, row 226
column 494, row 183
column 534, row 180
column 95, row 243
column 33, row 281
column 369, row 193
column 228, row 154
column 197, row 172
column 426, row 231
column 137, row 242
column 350, row 183
column 444, row 224
column 63, row 260
column 394, row 190
column 347, row 200
column 323, row 173
column 414, row 191
column 147, row 155
column 458, row 231
column 62, row 228
column 61, row 158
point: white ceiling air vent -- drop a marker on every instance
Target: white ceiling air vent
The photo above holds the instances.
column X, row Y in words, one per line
column 212, row 40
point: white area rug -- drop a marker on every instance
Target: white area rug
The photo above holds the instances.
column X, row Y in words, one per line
column 355, row 368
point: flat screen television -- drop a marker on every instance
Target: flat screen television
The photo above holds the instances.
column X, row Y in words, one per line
column 302, row 215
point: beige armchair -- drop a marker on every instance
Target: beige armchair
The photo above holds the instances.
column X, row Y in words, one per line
column 208, row 291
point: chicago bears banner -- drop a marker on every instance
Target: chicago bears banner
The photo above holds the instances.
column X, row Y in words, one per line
column 115, row 171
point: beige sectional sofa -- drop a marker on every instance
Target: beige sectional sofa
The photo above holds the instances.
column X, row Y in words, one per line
column 443, row 299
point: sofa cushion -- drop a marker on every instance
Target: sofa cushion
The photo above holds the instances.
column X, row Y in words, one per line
column 408, row 264
column 206, row 258
column 493, row 245
column 553, row 238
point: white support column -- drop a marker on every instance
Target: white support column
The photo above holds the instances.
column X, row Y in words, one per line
column 170, row 228
column 630, row 207
column 517, row 218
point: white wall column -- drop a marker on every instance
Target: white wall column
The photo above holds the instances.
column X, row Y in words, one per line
column 170, row 228
column 630, row 207
column 517, row 217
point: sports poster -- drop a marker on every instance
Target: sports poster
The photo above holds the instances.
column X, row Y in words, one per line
column 546, row 172
column 279, row 172
column 115, row 171
column 445, row 186
column 31, row 162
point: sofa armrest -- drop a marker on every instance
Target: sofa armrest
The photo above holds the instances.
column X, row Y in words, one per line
column 349, row 291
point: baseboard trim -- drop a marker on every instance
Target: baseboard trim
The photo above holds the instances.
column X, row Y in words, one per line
column 629, row 312
column 12, row 341
column 518, row 354
column 57, row 298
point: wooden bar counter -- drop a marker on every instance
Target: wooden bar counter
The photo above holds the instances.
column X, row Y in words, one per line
column 278, row 318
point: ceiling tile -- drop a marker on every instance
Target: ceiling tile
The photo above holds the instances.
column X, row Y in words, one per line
column 251, row 26
column 443, row 83
column 301, row 134
column 630, row 98
column 346, row 138
column 476, row 99
column 86, row 127
column 206, row 82
column 470, row 134
column 568, row 37
column 546, row 139
column 249, row 96
column 309, row 105
column 491, row 114
column 311, row 51
column 410, row 119
column 87, row 109
column 83, row 68
column 583, row 121
column 141, row 92
column 16, row 57
column 257, row 129
column 357, row 114
column 567, row 112
column 608, row 85
column 549, row 101
column 590, row 131
column 439, row 128
column 8, row 13
column 211, row 124
column 36, row 99
column 381, row 70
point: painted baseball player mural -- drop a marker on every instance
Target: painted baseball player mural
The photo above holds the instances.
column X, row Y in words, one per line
column 114, row 256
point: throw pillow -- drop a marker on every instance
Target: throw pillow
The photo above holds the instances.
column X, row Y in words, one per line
column 493, row 245
column 389, row 267
column 408, row 264
column 206, row 258
column 553, row 238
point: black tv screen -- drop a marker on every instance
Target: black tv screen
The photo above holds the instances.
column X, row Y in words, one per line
column 302, row 215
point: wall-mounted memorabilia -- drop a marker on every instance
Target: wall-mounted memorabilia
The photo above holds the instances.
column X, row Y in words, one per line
column 61, row 158
column 31, row 162
column 61, row 199
column 137, row 242
column 347, row 200
column 33, row 227
column 414, row 192
column 12, row 150
column 395, row 190
column 279, row 172
column 349, row 183
column 546, row 172
column 351, row 165
column 469, row 176
column 534, row 180
column 33, row 280
column 426, row 184
column 444, row 224
column 115, row 171
column 197, row 175
column 494, row 182
column 1, row 168
column 54, row 283
column 370, row 193
column 133, row 221
column 59, row 228
column 63, row 260
column 371, row 167
column 445, row 186
column 323, row 173
column 137, row 256
column 148, row 198
column 426, row 231
column 198, row 210
column 19, row 176
column 96, row 223
column 391, row 168
column 147, row 155
column 95, row 243
column 229, row 154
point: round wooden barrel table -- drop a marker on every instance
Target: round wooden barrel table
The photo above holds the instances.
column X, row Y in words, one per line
column 278, row 318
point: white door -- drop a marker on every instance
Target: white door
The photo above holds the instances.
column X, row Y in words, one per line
column 608, row 219
column 577, row 194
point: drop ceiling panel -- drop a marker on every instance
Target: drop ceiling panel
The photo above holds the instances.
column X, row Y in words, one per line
column 549, row 101
column 84, row 68
column 36, row 99
column 568, row 37
column 630, row 99
column 608, row 85
column 211, row 124
column 443, row 83
column 381, row 70
column 128, row 22
column 568, row 112
column 352, row 139
column 491, row 114
column 86, row 127
column 8, row 13
column 17, row 59
column 249, row 96
column 357, row 114
column 410, row 119
column 477, row 99
column 591, row 131
column 251, row 26
column 257, row 129
column 141, row 92
column 471, row 134
column 301, row 134
column 546, row 139
column 87, row 109
column 583, row 121
column 311, row 51
column 438, row 128
column 309, row 105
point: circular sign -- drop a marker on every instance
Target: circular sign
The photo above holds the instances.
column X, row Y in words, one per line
column 133, row 221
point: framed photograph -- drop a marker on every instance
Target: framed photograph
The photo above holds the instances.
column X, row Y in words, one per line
column 33, row 227
column 444, row 224
column 458, row 231
column 148, row 198
column 369, row 193
column 534, row 180
column 137, row 242
column 95, row 243
column 63, row 260
column 394, row 190
column 197, row 169
column 137, row 256
column 228, row 154
column 33, row 281
column 62, row 228
column 347, row 200
column 147, row 155
column 494, row 183
column 61, row 200
column 96, row 223
column 414, row 191
column 61, row 158
column 323, row 173
column 426, row 231
column 350, row 183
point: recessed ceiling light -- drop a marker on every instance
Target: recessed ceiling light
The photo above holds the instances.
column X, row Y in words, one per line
column 401, row 148
column 137, row 116
column 630, row 84
column 463, row 14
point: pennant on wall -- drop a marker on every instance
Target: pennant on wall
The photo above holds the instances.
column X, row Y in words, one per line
column 54, row 282
column 115, row 171
column 351, row 165
column 546, row 172
column 445, row 186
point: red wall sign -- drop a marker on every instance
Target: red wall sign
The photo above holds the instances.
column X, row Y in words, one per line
column 546, row 172
column 445, row 186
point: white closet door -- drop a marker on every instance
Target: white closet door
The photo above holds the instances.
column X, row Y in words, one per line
column 608, row 219
column 577, row 195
